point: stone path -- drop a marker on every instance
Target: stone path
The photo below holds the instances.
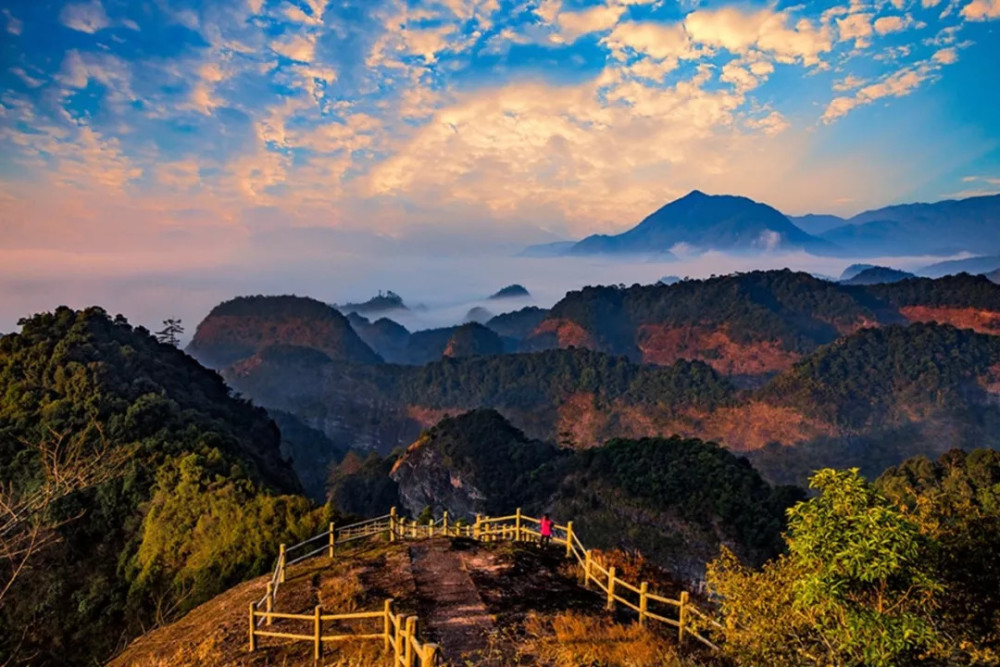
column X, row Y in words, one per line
column 451, row 612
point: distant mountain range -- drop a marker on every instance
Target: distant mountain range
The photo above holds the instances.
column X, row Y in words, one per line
column 943, row 228
column 878, row 275
column 700, row 222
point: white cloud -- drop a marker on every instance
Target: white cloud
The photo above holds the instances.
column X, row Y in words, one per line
column 887, row 24
column 857, row 27
column 982, row 10
column 296, row 14
column 766, row 30
column 897, row 84
column 660, row 41
column 91, row 160
column 180, row 174
column 573, row 24
column 14, row 25
column 29, row 80
column 300, row 48
column 481, row 10
column 983, row 179
column 946, row 56
column 771, row 124
column 86, row 17
column 849, row 82
column 78, row 69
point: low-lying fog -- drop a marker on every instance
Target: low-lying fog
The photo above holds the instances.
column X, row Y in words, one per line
column 447, row 286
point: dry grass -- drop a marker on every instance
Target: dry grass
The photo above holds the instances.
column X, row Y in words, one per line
column 343, row 594
column 570, row 639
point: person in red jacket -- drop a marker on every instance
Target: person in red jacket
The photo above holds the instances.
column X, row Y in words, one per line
column 545, row 528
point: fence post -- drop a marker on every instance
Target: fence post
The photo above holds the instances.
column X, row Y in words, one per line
column 270, row 601
column 392, row 524
column 397, row 646
column 486, row 528
column 643, row 603
column 427, row 659
column 333, row 539
column 253, row 637
column 318, row 638
column 586, row 568
column 444, row 522
column 569, row 539
column 611, row 588
column 475, row 528
column 683, row 618
column 281, row 565
column 411, row 629
column 387, row 624
column 517, row 525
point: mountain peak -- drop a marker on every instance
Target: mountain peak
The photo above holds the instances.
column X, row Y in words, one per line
column 701, row 221
column 694, row 194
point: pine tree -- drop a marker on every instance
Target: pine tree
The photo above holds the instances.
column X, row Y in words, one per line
column 172, row 329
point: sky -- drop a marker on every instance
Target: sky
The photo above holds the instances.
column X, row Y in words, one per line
column 159, row 154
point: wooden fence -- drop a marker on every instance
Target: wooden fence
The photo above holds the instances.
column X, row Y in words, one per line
column 399, row 633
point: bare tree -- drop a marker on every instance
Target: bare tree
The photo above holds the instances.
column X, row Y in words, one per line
column 69, row 462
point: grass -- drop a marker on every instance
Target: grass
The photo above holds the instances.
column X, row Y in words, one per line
column 571, row 639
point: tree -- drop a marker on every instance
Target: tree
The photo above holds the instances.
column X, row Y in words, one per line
column 171, row 332
column 857, row 586
column 69, row 462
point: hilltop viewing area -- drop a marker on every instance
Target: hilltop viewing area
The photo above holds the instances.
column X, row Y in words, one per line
column 390, row 590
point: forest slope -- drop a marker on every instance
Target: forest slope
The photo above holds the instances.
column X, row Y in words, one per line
column 160, row 489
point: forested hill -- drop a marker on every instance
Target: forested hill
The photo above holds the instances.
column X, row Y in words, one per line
column 239, row 328
column 151, row 488
column 892, row 374
column 755, row 323
column 673, row 499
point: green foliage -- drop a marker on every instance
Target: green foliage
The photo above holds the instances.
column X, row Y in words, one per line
column 363, row 488
column 956, row 501
column 482, row 447
column 78, row 373
column 206, row 529
column 518, row 324
column 695, row 481
column 880, row 375
column 426, row 516
column 472, row 339
column 310, row 452
column 794, row 308
column 546, row 378
column 856, row 587
column 961, row 291
column 865, row 575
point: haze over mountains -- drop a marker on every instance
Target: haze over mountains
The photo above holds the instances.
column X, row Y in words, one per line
column 699, row 222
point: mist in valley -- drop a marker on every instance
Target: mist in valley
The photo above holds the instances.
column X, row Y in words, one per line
column 439, row 290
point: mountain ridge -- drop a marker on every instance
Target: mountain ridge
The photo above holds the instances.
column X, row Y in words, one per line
column 704, row 222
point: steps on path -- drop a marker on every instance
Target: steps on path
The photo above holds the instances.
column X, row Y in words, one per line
column 452, row 613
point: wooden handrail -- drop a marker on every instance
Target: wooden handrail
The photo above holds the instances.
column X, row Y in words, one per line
column 402, row 641
column 398, row 633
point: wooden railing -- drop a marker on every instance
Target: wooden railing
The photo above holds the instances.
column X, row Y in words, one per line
column 399, row 633
column 690, row 620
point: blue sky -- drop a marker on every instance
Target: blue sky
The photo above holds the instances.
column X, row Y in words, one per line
column 167, row 133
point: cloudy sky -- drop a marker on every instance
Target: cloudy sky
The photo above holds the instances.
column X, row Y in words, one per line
column 167, row 136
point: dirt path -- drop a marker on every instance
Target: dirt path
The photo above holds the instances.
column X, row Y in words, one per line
column 451, row 612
